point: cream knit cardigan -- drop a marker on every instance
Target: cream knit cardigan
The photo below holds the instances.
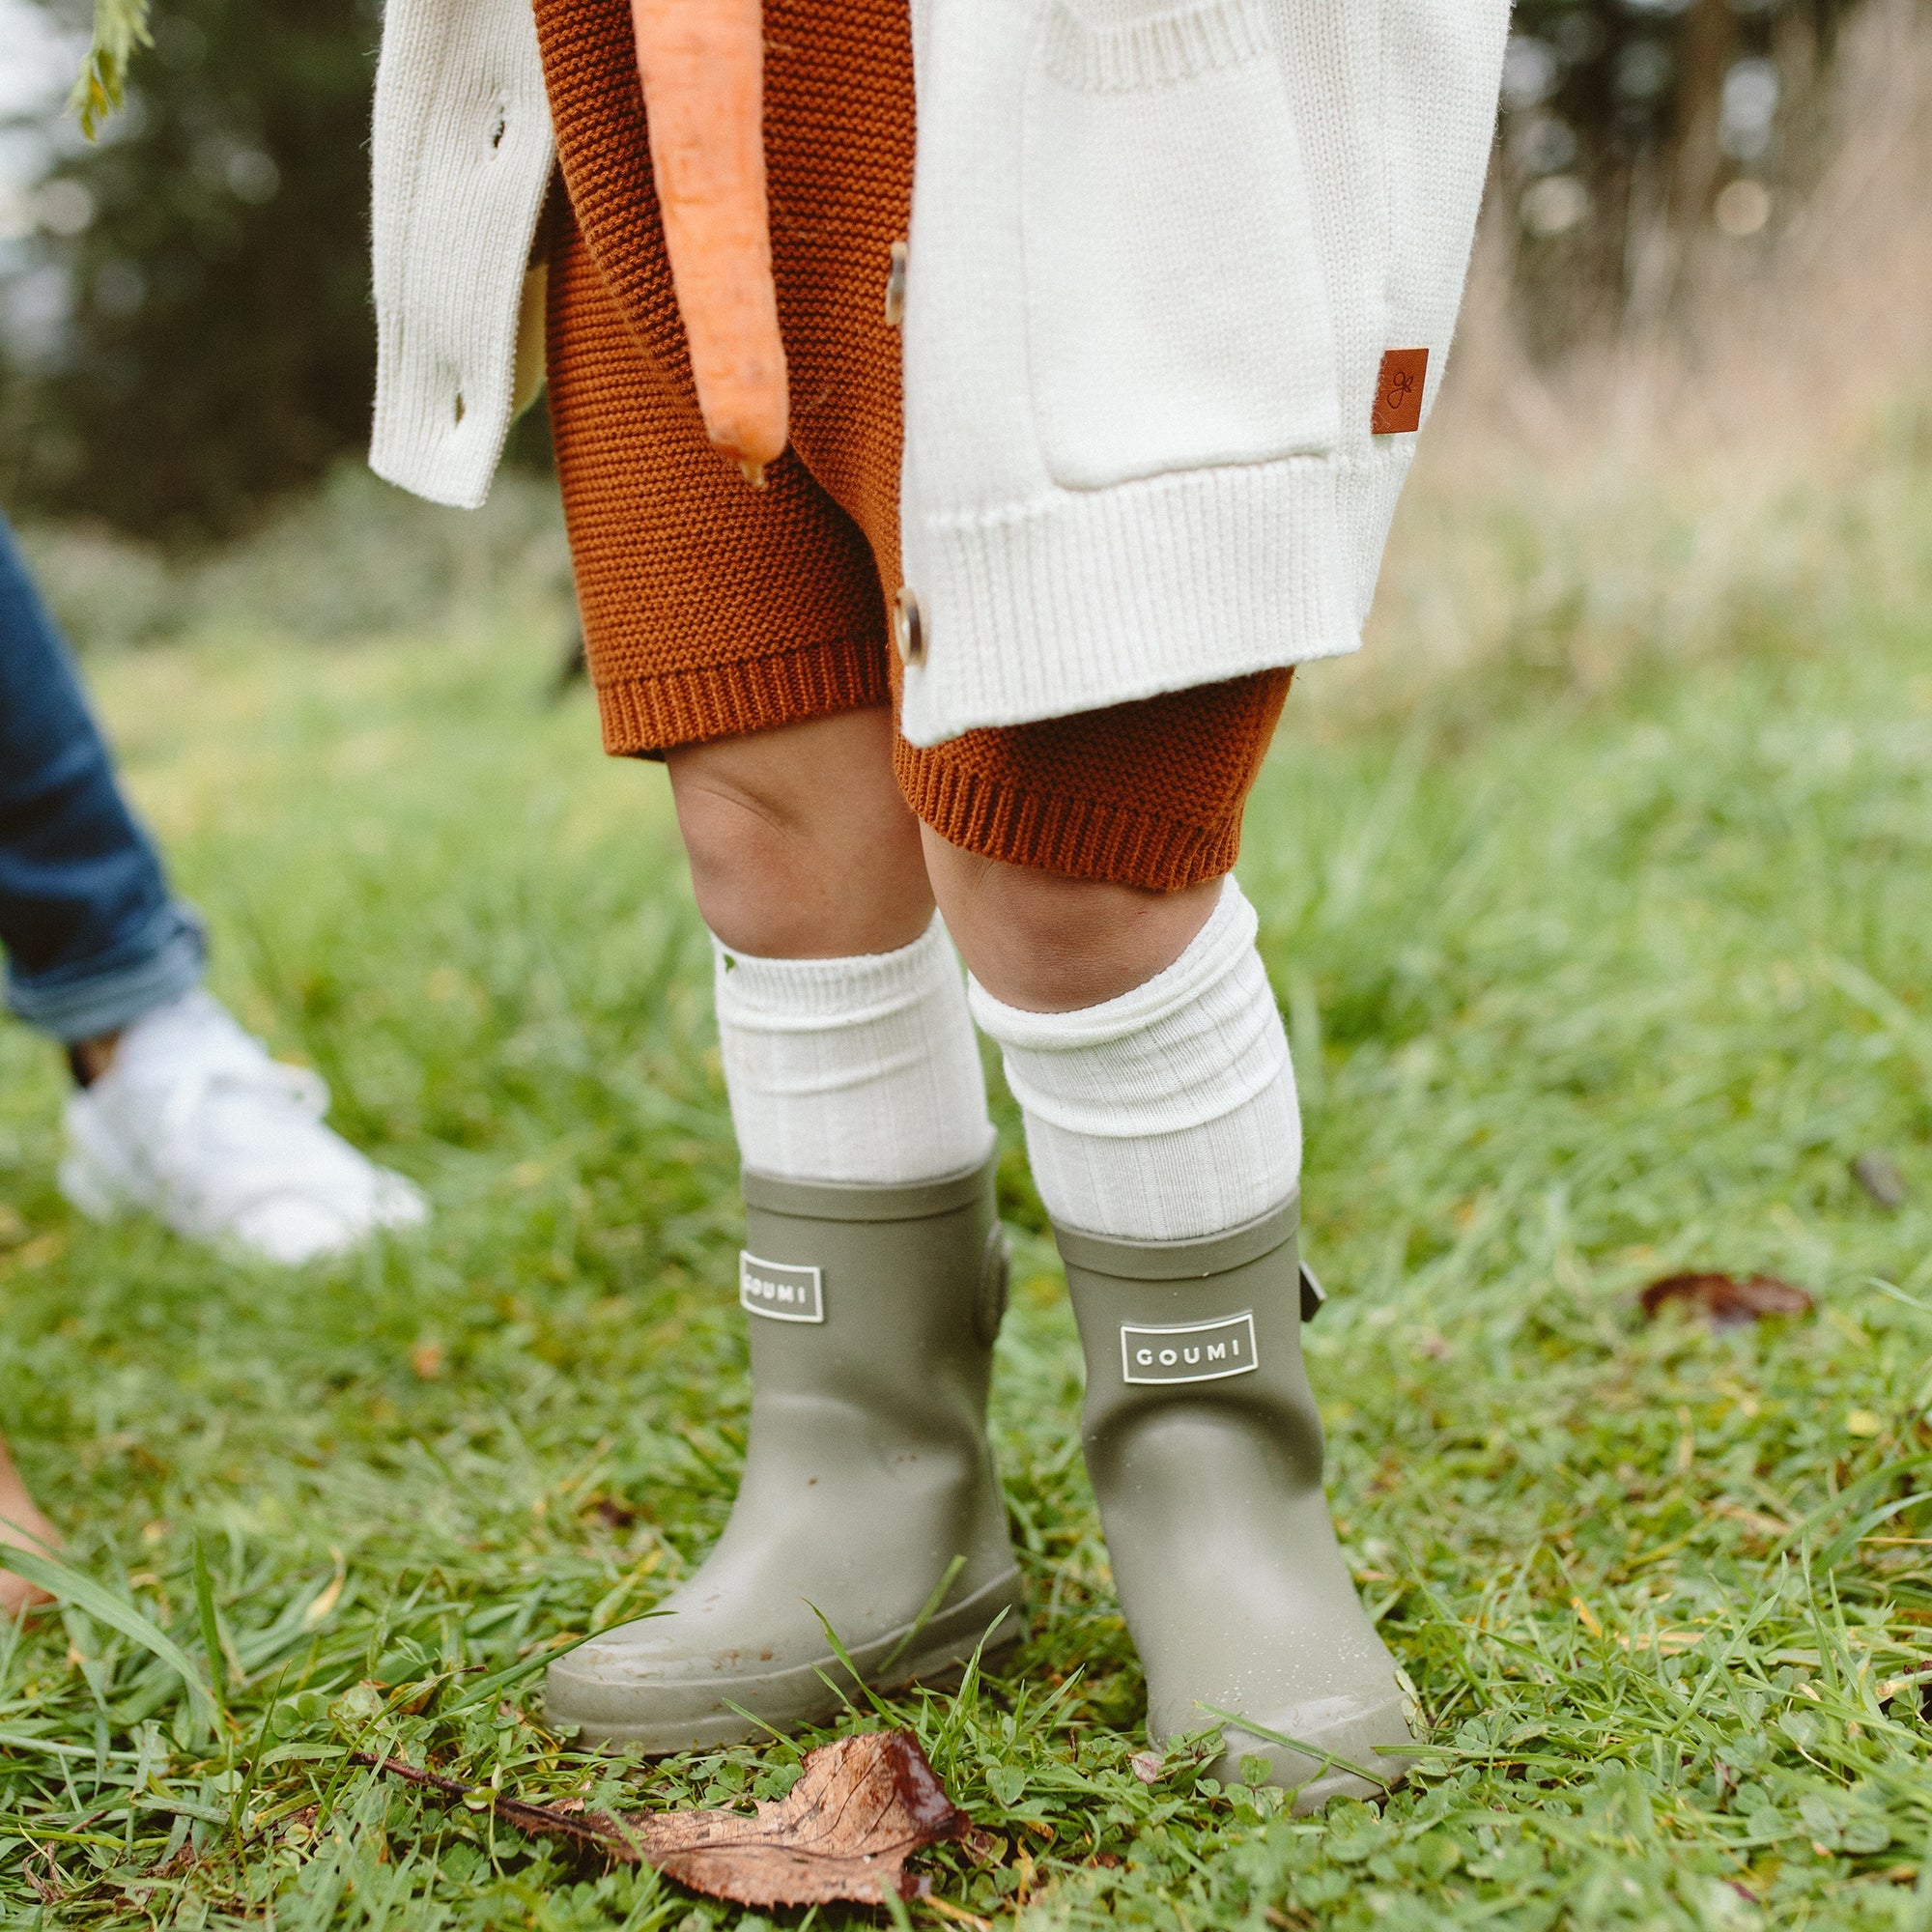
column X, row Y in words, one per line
column 1158, row 249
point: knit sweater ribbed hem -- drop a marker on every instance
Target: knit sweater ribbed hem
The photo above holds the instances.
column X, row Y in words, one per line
column 689, row 706
column 1125, row 593
column 1081, row 837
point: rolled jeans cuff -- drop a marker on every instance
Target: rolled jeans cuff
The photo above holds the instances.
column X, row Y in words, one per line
column 159, row 965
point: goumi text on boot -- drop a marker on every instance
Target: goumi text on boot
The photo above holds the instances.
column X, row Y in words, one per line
column 1195, row 1352
column 778, row 1288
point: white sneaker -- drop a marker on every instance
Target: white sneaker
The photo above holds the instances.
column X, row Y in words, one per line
column 193, row 1121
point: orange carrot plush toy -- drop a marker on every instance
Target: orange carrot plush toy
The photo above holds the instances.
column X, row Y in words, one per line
column 702, row 64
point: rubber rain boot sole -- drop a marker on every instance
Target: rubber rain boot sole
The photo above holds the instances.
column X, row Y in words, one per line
column 692, row 1714
column 1351, row 1735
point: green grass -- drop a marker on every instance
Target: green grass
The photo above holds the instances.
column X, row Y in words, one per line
column 1587, row 984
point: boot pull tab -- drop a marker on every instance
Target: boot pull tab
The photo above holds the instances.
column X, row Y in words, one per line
column 996, row 1270
column 1313, row 1296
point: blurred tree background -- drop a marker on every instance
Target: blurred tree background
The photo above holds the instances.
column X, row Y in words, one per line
column 215, row 348
column 1633, row 128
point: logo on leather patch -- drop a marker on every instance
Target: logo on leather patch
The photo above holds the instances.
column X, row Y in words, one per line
column 1397, row 406
column 777, row 1288
column 1199, row 1352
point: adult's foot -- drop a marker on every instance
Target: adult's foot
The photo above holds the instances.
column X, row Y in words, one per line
column 191, row 1120
column 23, row 1525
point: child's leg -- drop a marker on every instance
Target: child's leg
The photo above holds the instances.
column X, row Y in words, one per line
column 873, row 1272
column 1052, row 944
column 719, row 617
column 1145, row 1048
column 23, row 1525
column 849, row 1051
column 800, row 845
column 742, row 634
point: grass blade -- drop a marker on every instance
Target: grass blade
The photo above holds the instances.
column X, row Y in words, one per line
column 211, row 1630
column 1314, row 1751
column 69, row 1587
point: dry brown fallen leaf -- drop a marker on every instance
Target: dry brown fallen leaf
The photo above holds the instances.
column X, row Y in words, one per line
column 1727, row 1302
column 861, row 1808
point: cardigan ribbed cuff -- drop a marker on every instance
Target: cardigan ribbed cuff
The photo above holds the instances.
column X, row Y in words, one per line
column 1123, row 593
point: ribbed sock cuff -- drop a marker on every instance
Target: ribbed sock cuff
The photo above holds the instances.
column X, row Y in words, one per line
column 864, row 1069
column 1170, row 1112
column 803, row 995
column 1211, row 954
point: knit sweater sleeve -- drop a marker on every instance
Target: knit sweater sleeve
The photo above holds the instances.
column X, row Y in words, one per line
column 460, row 160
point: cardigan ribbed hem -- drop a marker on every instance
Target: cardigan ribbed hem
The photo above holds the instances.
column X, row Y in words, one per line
column 1128, row 592
column 665, row 709
column 1050, row 831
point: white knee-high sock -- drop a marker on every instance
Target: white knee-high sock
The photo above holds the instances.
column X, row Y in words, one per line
column 1170, row 1112
column 860, row 1070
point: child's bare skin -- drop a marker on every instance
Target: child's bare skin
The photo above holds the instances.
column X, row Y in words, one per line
column 801, row 847
column 21, row 1524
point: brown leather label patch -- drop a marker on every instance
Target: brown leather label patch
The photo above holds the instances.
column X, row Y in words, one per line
column 1398, row 409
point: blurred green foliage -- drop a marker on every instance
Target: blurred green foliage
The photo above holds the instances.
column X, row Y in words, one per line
column 219, row 347
column 120, row 26
column 1627, row 118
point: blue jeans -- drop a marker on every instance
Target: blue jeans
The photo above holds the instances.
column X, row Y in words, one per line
column 93, row 937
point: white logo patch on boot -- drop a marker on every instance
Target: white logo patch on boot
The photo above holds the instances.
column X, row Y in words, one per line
column 1196, row 1351
column 780, row 1289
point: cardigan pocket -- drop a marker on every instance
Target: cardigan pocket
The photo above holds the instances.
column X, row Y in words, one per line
column 1177, row 316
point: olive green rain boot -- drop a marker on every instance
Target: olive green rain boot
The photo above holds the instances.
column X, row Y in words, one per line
column 1204, row 1448
column 868, row 1490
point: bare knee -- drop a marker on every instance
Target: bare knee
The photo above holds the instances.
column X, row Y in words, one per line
column 736, row 845
column 800, row 844
column 1053, row 943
